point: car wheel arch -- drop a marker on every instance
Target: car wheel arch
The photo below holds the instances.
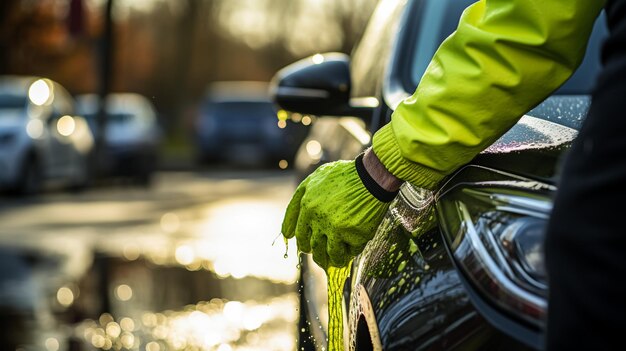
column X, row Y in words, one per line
column 366, row 335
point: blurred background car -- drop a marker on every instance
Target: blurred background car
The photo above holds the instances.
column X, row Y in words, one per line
column 239, row 125
column 459, row 270
column 132, row 138
column 42, row 140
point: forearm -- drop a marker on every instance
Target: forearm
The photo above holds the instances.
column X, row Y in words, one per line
column 379, row 173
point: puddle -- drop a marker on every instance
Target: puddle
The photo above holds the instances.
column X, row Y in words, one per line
column 198, row 273
column 136, row 304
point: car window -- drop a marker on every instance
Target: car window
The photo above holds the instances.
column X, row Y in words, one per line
column 12, row 107
column 369, row 57
column 583, row 80
column 440, row 19
column 241, row 109
column 112, row 117
column 12, row 101
column 120, row 117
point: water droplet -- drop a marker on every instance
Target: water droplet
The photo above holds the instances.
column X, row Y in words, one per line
column 286, row 247
column 276, row 238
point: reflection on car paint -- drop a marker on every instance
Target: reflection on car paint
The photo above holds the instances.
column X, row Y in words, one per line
column 542, row 134
column 414, row 209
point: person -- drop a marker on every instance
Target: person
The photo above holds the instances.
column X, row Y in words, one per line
column 505, row 57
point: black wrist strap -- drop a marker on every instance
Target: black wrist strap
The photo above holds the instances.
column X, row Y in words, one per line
column 370, row 184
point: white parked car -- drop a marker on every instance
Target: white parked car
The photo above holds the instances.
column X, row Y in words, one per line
column 132, row 137
column 42, row 140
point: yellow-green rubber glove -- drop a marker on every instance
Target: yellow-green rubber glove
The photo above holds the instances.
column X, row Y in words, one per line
column 335, row 211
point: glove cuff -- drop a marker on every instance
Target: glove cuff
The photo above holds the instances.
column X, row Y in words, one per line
column 387, row 149
column 370, row 184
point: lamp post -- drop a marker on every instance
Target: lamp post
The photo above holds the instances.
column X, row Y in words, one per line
column 106, row 78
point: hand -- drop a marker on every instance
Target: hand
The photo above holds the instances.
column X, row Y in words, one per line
column 333, row 215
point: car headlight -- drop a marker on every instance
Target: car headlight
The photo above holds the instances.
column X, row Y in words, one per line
column 495, row 231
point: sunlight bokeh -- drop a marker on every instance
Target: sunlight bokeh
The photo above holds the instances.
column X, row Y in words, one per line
column 242, row 238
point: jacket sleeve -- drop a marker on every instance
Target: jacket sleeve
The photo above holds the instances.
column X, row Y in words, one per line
column 505, row 57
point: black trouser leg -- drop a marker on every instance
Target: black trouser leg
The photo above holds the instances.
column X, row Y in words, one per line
column 586, row 240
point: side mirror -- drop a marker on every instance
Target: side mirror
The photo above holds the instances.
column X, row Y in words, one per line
column 318, row 85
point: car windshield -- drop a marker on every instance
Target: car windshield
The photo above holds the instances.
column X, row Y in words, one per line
column 440, row 18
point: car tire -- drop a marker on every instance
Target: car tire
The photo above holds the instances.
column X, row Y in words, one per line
column 363, row 337
column 31, row 179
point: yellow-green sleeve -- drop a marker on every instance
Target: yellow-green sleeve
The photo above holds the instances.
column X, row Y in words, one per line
column 505, row 57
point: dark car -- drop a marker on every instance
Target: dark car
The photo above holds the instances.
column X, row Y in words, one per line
column 458, row 269
column 239, row 125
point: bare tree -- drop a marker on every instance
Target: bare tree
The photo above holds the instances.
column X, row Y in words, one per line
column 301, row 26
column 8, row 14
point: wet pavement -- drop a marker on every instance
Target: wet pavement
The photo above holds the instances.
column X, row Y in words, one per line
column 188, row 264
